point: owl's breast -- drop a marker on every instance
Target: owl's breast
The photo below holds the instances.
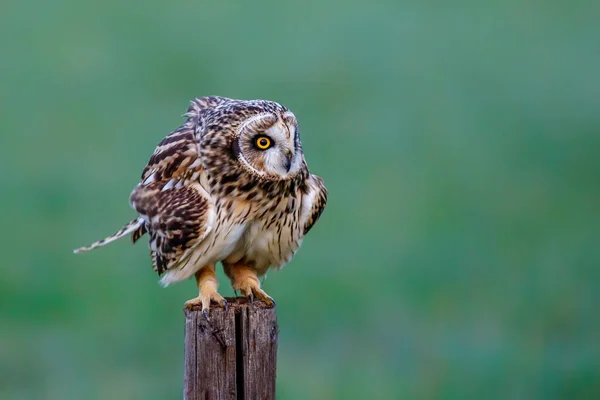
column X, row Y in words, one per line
column 268, row 241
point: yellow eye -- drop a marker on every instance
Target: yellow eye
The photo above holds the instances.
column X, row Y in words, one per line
column 263, row 142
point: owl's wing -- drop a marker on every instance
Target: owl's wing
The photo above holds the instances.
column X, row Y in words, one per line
column 177, row 211
column 313, row 202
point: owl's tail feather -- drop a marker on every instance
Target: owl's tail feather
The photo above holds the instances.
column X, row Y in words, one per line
column 132, row 226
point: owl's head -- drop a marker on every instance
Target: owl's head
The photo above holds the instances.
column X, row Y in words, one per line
column 267, row 144
column 255, row 138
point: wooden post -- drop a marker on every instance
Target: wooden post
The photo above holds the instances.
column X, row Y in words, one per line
column 233, row 354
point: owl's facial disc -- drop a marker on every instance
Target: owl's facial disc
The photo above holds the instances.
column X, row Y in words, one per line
column 268, row 147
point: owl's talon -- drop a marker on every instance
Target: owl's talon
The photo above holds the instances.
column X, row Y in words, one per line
column 245, row 279
column 269, row 301
column 207, row 291
column 196, row 301
column 226, row 305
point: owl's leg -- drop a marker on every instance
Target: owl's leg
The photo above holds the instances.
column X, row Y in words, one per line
column 245, row 279
column 206, row 279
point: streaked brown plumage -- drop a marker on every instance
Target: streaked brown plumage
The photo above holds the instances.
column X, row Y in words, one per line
column 230, row 185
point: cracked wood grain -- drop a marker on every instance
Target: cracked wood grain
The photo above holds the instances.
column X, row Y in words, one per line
column 233, row 354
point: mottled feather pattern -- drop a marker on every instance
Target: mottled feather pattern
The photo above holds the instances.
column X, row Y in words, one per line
column 176, row 209
column 138, row 233
column 177, row 219
column 172, row 157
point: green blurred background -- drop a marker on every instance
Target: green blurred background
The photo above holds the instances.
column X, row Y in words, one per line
column 458, row 257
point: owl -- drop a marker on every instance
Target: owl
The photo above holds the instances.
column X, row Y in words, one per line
column 230, row 185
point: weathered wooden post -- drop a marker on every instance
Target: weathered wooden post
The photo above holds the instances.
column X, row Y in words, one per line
column 233, row 354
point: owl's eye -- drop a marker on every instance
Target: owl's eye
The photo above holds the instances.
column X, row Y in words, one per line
column 263, row 142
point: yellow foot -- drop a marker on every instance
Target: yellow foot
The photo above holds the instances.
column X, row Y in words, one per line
column 245, row 280
column 207, row 288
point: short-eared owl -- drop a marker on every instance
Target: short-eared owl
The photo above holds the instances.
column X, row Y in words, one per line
column 230, row 185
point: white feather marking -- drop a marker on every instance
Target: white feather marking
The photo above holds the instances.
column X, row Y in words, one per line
column 149, row 179
column 195, row 164
column 169, row 185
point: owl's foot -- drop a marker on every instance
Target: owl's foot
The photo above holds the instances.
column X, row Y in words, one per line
column 245, row 279
column 207, row 290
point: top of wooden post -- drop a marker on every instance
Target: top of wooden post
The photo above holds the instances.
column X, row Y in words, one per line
column 235, row 304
